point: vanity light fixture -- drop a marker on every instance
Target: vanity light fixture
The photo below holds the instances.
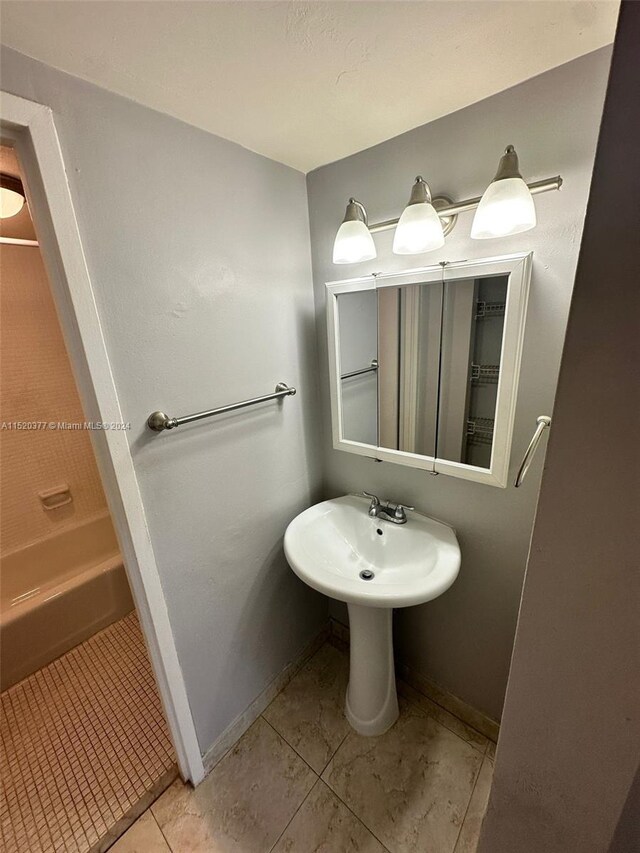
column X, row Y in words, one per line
column 12, row 196
column 354, row 242
column 507, row 205
column 505, row 208
column 419, row 229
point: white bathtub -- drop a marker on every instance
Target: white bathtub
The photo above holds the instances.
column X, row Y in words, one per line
column 56, row 593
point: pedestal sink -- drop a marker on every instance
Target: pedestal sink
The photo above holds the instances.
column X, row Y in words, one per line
column 373, row 565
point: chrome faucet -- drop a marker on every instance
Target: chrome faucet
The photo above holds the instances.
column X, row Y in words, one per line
column 395, row 513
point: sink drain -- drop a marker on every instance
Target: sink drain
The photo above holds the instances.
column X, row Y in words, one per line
column 367, row 575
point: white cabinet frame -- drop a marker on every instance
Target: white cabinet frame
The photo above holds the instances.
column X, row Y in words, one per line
column 518, row 269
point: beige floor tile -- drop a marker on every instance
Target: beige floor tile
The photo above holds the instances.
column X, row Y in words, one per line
column 411, row 786
column 468, row 840
column 309, row 713
column 245, row 802
column 477, row 740
column 143, row 837
column 324, row 824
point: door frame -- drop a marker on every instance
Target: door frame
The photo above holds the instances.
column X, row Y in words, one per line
column 29, row 127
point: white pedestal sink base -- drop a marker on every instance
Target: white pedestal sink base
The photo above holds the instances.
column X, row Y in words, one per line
column 372, row 702
column 374, row 566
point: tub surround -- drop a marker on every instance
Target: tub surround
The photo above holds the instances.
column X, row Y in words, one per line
column 61, row 572
column 38, row 386
column 57, row 593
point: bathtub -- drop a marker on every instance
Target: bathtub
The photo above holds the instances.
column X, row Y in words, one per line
column 56, row 593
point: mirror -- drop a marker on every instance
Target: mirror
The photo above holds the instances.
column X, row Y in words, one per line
column 358, row 359
column 470, row 356
column 425, row 365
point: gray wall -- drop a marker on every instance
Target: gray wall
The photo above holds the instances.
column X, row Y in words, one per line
column 463, row 640
column 566, row 771
column 198, row 251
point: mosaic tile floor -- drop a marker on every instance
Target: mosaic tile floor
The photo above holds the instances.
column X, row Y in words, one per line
column 85, row 746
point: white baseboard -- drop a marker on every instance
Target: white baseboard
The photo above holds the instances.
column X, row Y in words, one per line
column 240, row 725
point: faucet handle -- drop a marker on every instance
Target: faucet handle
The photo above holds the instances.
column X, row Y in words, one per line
column 399, row 511
column 375, row 500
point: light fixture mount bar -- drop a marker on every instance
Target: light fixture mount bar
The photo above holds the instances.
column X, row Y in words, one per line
column 457, row 207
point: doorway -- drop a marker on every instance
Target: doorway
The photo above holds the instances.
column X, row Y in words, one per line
column 85, row 744
column 29, row 130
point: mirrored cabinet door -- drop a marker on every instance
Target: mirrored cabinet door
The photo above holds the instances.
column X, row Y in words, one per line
column 483, row 323
column 471, row 350
column 425, row 365
column 409, row 319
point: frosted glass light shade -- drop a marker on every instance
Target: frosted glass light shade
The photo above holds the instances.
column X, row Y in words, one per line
column 10, row 203
column 419, row 229
column 505, row 208
column 353, row 243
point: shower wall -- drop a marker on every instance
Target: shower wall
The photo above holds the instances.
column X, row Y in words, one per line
column 37, row 386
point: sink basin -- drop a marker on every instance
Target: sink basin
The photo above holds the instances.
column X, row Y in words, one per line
column 373, row 565
column 331, row 543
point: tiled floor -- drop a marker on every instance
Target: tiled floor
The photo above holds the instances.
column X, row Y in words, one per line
column 84, row 746
column 301, row 780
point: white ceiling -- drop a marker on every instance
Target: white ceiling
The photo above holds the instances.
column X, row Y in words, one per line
column 306, row 83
